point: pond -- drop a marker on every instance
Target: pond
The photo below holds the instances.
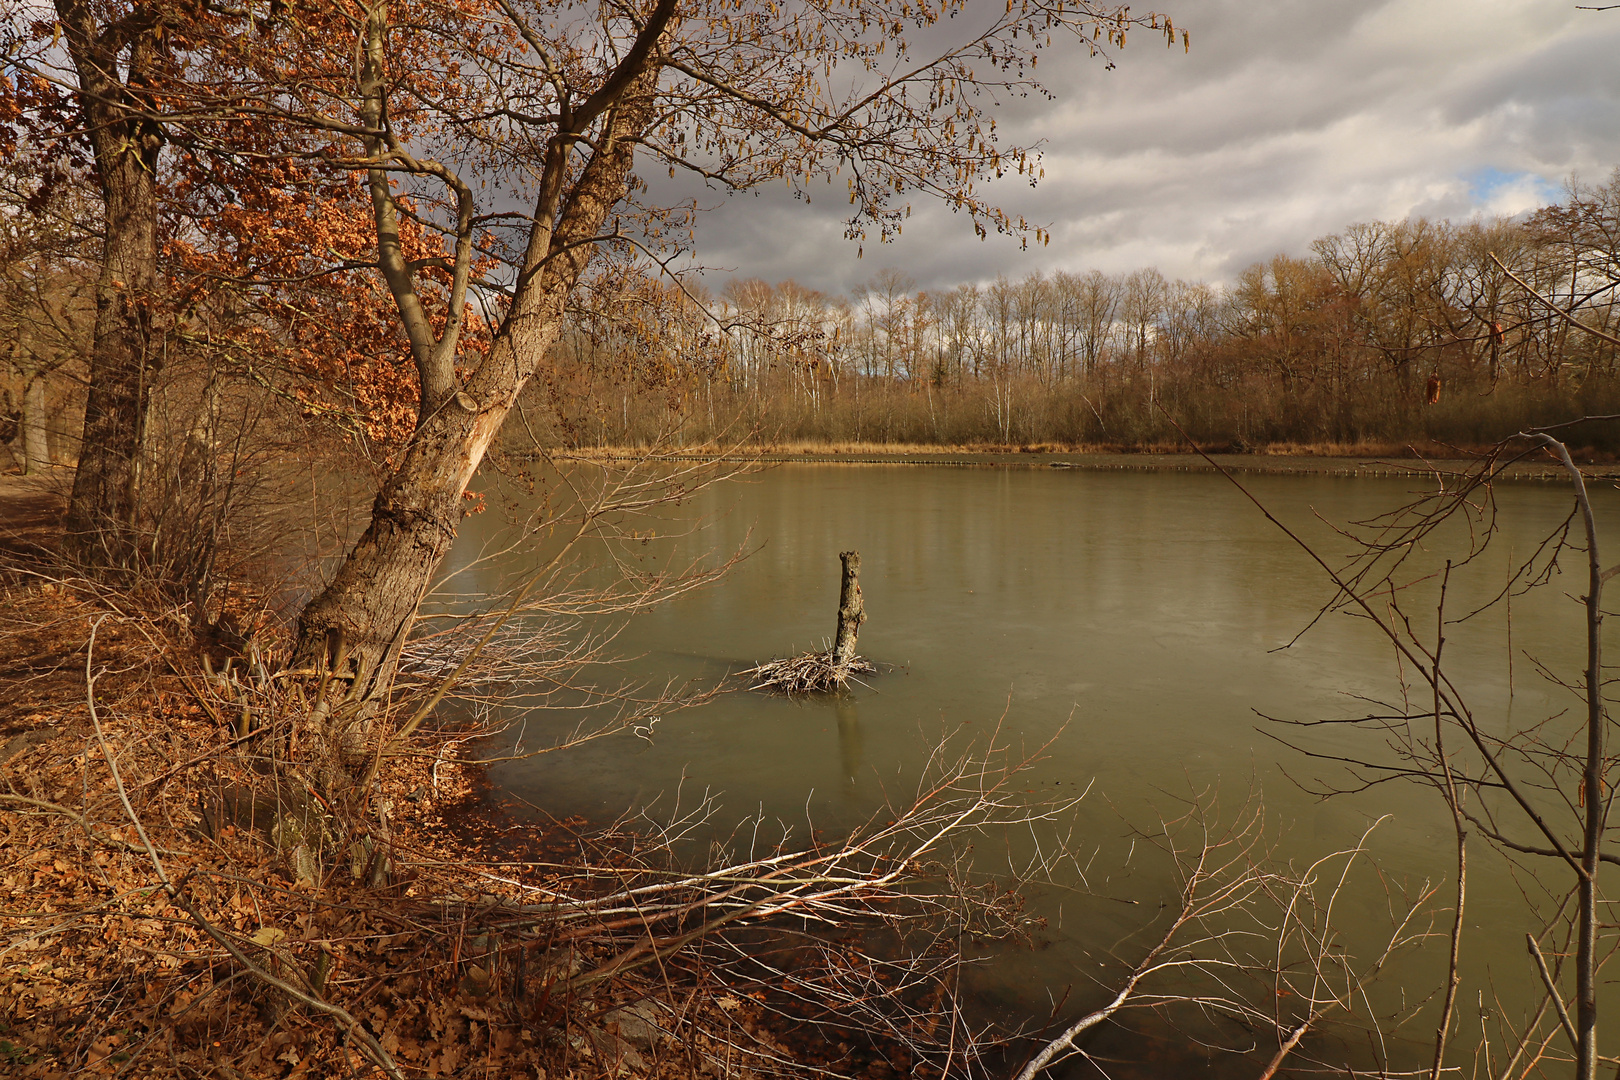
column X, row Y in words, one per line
column 1144, row 626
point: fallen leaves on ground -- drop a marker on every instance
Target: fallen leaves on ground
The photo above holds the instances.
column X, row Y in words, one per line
column 106, row 971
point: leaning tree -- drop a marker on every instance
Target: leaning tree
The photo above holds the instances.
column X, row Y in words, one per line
column 512, row 131
column 494, row 146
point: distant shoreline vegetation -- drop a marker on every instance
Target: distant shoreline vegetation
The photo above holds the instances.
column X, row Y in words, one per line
column 1391, row 334
column 1328, row 460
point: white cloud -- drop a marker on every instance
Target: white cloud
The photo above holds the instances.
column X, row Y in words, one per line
column 1288, row 120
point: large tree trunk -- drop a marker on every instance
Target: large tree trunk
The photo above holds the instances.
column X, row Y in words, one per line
column 356, row 627
column 100, row 528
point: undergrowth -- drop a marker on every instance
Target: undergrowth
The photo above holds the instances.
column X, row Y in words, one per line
column 174, row 903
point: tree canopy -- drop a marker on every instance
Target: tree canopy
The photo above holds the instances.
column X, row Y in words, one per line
column 288, row 167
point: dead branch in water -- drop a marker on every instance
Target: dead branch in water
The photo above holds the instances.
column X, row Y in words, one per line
column 807, row 673
column 829, row 671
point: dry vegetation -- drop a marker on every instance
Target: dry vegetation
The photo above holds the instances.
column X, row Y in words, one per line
column 437, row 957
column 806, row 673
column 178, row 901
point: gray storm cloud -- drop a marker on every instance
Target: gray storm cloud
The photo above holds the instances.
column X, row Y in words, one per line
column 1288, row 120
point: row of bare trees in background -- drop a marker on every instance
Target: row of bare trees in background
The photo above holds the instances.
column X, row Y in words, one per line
column 1387, row 331
column 1346, row 346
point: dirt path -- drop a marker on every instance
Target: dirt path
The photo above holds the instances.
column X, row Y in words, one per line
column 31, row 510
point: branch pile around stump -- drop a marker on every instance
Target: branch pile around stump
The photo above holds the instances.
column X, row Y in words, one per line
column 823, row 672
column 807, row 673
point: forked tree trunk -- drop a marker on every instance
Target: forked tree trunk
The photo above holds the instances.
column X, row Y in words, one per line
column 851, row 611
column 100, row 525
column 356, row 626
column 355, row 629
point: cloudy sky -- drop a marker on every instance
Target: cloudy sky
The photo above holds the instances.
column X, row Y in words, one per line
column 1289, row 119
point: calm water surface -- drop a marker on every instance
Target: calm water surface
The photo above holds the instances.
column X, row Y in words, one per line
column 1138, row 618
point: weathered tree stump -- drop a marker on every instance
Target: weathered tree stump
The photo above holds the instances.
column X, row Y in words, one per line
column 851, row 611
column 823, row 671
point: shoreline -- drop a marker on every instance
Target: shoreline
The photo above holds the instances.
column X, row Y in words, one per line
column 1250, row 464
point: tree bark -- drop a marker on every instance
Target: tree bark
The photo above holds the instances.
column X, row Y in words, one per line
column 357, row 626
column 367, row 610
column 100, row 524
column 33, row 437
column 851, row 610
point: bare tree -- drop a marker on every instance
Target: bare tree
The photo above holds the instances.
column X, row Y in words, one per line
column 1142, row 298
column 886, row 300
column 1507, row 785
column 1264, row 938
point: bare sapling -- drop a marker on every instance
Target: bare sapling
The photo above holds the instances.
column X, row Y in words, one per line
column 1495, row 782
column 1250, row 941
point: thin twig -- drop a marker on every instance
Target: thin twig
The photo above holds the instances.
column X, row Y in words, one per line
column 1552, row 990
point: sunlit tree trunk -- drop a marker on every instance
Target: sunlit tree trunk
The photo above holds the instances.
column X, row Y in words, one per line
column 356, row 627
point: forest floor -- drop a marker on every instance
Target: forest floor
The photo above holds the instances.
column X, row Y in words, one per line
column 154, row 921
column 31, row 511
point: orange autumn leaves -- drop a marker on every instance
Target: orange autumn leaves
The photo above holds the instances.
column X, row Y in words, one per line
column 280, row 282
column 267, row 264
column 276, row 266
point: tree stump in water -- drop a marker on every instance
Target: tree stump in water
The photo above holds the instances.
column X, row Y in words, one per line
column 823, row 671
column 851, row 611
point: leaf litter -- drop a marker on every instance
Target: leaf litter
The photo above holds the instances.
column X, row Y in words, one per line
column 447, row 965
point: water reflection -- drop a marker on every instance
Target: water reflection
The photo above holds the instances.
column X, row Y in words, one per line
column 850, row 743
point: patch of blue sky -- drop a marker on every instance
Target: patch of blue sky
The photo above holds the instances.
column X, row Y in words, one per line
column 1491, row 186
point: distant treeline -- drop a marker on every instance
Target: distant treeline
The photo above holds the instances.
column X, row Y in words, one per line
column 1388, row 332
